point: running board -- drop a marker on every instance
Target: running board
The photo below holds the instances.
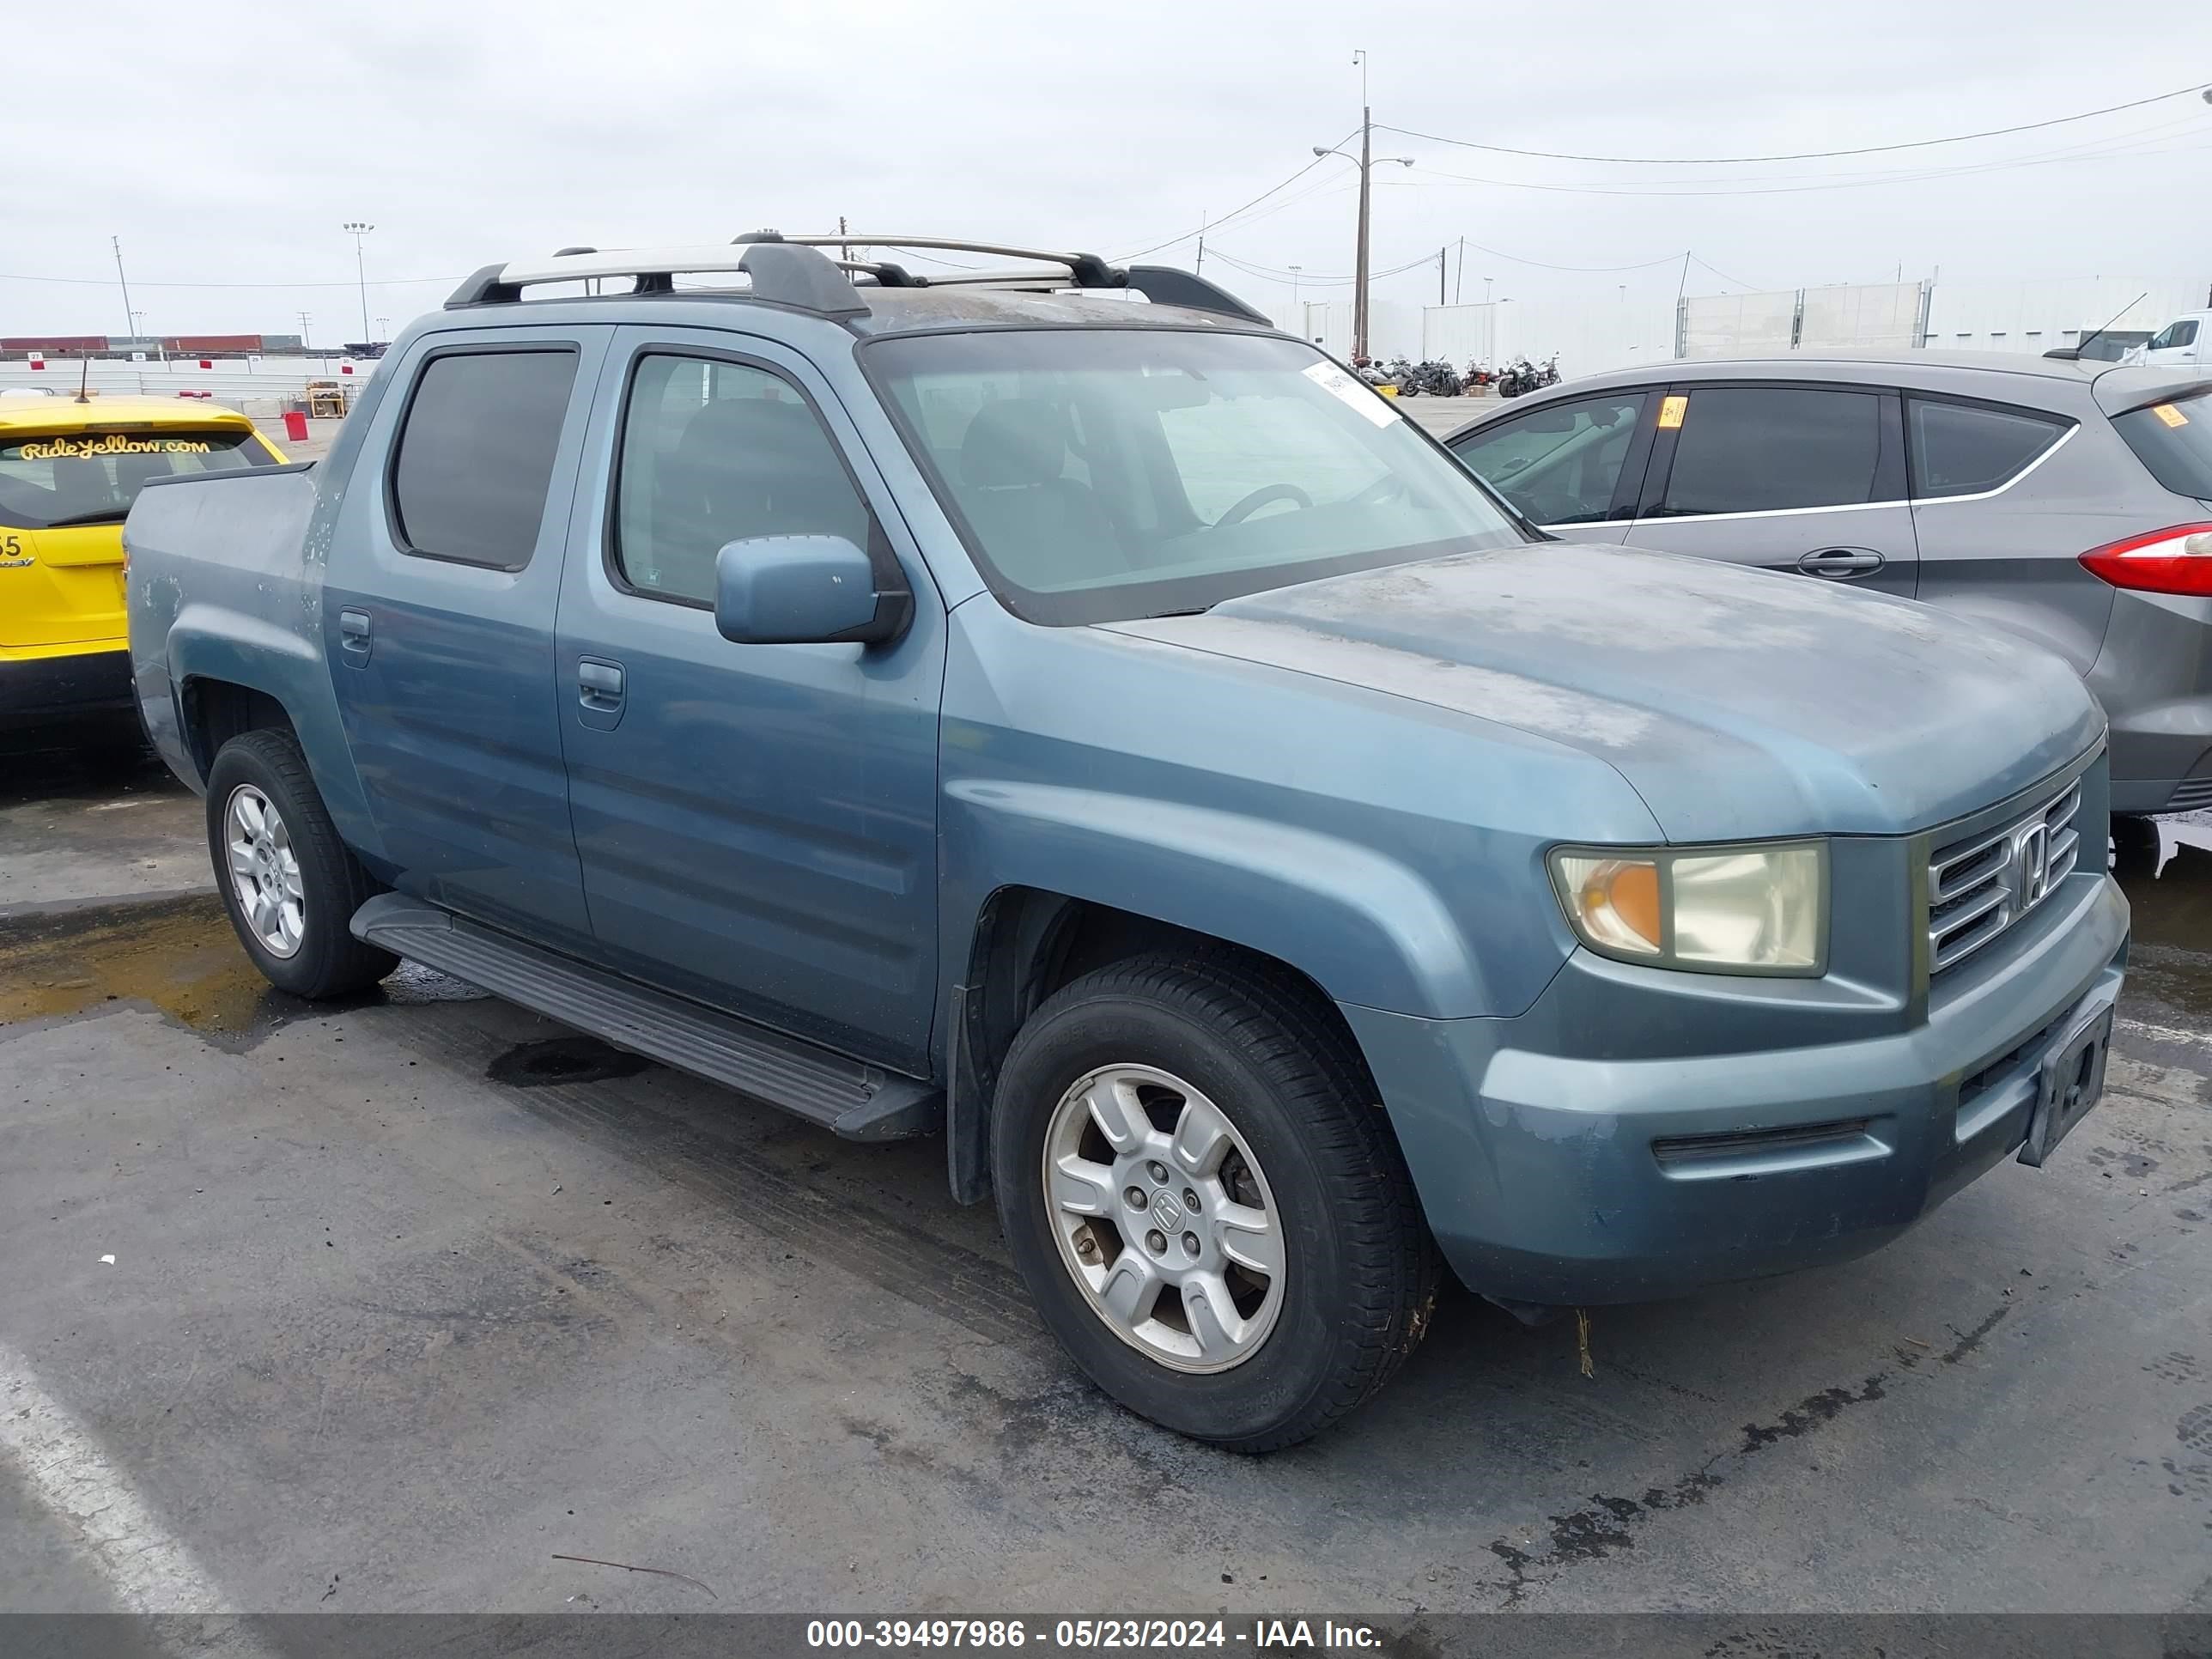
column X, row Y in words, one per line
column 859, row 1102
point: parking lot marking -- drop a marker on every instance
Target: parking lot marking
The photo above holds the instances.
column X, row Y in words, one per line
column 147, row 1568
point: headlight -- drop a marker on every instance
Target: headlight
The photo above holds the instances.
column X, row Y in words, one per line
column 1758, row 909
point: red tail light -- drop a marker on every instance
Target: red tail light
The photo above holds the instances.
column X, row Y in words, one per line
column 2176, row 561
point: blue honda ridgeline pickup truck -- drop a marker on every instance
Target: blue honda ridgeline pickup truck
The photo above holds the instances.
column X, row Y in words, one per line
column 1109, row 735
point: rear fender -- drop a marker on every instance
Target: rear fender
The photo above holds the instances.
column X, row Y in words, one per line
column 214, row 642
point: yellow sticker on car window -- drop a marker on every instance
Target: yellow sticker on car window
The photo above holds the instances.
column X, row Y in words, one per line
column 1672, row 408
column 2170, row 415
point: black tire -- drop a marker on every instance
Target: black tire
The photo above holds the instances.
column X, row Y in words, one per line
column 1361, row 1269
column 329, row 962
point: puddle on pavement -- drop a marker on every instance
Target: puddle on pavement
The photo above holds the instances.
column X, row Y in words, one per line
column 562, row 1059
column 178, row 954
column 2165, row 867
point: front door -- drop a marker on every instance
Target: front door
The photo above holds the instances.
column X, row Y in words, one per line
column 758, row 823
column 438, row 620
column 1803, row 478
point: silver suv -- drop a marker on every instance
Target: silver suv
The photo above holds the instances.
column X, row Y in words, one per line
column 2069, row 501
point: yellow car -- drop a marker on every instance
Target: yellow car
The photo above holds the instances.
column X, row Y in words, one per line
column 69, row 473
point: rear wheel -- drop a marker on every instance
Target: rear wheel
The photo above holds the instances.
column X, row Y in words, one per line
column 289, row 883
column 1203, row 1198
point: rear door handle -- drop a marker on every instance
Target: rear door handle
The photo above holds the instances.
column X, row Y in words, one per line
column 352, row 635
column 599, row 692
column 1841, row 563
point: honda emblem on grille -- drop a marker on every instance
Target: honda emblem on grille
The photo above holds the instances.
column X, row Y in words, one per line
column 2030, row 869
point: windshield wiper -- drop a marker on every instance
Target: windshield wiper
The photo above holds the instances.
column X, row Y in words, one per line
column 105, row 515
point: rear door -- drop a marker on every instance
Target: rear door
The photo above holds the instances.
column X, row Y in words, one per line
column 64, row 496
column 1572, row 465
column 438, row 622
column 1802, row 477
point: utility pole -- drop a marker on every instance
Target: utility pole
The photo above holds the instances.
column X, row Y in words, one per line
column 304, row 319
column 1359, row 264
column 356, row 228
column 128, row 326
column 1487, row 282
column 1442, row 254
column 1459, row 277
column 844, row 249
column 1200, row 268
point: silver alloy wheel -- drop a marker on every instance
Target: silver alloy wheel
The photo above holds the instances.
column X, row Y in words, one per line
column 265, row 871
column 1163, row 1217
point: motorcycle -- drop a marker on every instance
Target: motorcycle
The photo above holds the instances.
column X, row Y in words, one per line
column 1520, row 377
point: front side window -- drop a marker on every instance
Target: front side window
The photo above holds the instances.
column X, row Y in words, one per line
column 715, row 452
column 51, row 480
column 1105, row 474
column 1559, row 464
column 475, row 456
column 1959, row 449
column 2175, row 335
column 1762, row 449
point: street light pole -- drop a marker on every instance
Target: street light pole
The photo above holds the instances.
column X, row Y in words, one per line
column 1359, row 264
column 357, row 230
column 117, row 243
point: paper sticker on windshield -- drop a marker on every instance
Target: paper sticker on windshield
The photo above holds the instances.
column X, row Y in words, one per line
column 1355, row 393
column 2169, row 414
column 1672, row 408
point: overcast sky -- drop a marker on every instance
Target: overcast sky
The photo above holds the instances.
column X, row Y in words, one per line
column 227, row 144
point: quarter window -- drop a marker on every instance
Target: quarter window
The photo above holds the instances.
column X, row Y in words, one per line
column 475, row 458
column 1762, row 449
column 717, row 451
column 1961, row 450
column 1561, row 463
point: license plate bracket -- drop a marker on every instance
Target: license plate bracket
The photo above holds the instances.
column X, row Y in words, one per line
column 2068, row 1081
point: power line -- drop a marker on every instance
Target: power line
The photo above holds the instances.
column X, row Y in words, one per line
column 1215, row 224
column 101, row 281
column 1870, row 182
column 1800, row 155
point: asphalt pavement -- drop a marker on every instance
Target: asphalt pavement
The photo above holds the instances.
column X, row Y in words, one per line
column 392, row 1304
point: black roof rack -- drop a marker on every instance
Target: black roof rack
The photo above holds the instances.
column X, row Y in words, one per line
column 794, row 271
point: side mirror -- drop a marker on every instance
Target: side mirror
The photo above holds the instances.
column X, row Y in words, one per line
column 805, row 590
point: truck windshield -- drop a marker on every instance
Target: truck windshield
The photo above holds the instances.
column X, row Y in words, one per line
column 2174, row 441
column 1099, row 475
column 48, row 480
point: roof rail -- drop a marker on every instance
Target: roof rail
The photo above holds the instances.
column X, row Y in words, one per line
column 795, row 270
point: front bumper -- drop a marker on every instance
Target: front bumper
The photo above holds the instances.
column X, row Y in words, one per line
column 37, row 689
column 1550, row 1176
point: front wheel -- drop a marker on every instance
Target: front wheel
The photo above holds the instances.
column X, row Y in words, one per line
column 290, row 885
column 1206, row 1203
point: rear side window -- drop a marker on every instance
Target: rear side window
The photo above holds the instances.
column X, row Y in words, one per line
column 1959, row 449
column 2174, row 441
column 1759, row 449
column 475, row 457
column 1560, row 464
column 717, row 451
column 50, row 480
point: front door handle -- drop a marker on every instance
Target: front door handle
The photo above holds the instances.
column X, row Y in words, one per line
column 1841, row 563
column 598, row 692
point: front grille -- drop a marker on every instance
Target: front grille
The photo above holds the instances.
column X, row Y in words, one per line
column 1979, row 886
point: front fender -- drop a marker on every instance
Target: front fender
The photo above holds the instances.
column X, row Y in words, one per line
column 1362, row 925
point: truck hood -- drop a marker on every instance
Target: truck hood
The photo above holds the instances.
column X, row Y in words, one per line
column 1738, row 703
